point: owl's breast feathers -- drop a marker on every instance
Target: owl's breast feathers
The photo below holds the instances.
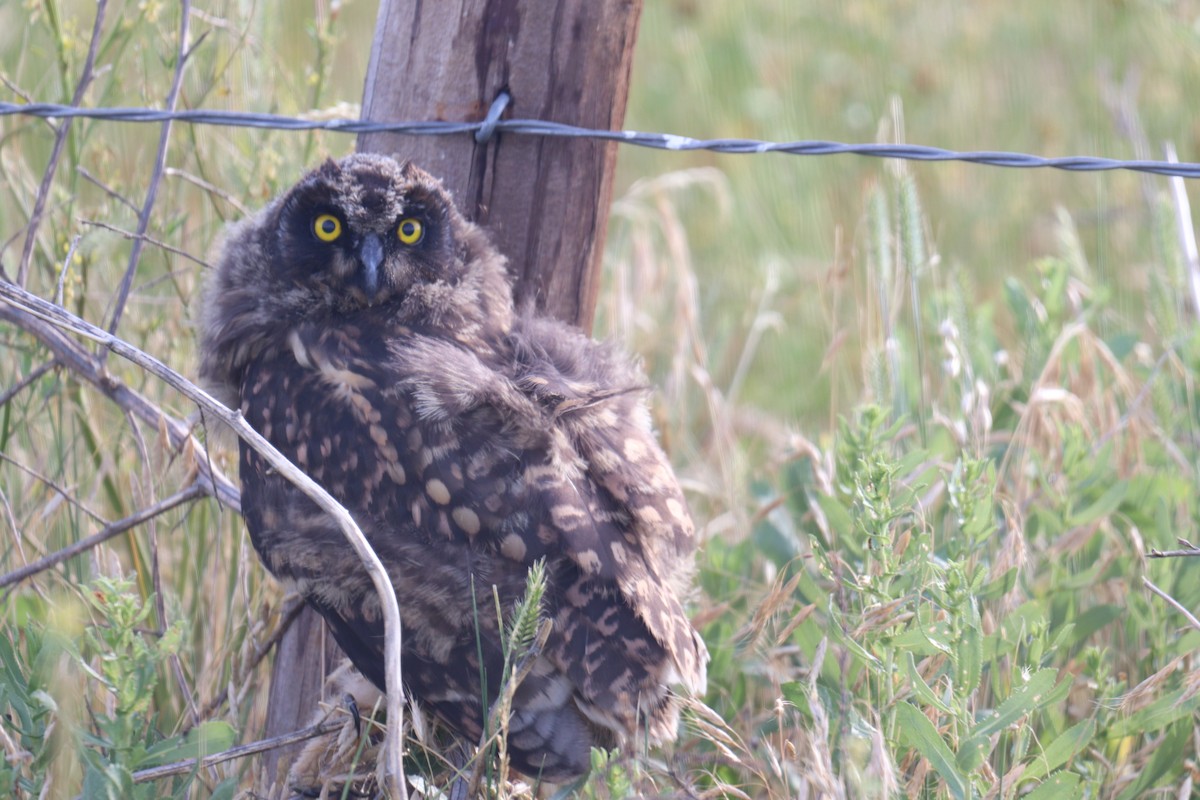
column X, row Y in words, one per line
column 465, row 460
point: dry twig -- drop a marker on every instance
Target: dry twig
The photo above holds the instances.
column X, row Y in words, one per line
column 60, row 139
column 1189, row 549
column 160, row 162
column 29, row 379
column 192, row 492
column 241, row 751
column 1188, row 615
column 148, row 240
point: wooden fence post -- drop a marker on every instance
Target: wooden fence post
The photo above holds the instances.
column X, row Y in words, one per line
column 545, row 201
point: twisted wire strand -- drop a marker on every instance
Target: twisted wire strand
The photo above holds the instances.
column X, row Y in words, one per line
column 661, row 141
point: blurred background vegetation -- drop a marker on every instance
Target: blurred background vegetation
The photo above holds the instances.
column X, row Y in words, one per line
column 931, row 417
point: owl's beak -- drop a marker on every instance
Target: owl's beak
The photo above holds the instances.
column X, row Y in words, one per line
column 370, row 255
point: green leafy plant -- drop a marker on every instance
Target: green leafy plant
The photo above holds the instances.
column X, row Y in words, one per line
column 79, row 695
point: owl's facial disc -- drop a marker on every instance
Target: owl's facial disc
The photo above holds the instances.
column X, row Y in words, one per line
column 370, row 256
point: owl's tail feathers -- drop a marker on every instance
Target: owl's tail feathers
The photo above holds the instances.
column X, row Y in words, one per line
column 548, row 738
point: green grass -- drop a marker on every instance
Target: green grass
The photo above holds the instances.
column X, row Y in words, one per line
column 930, row 418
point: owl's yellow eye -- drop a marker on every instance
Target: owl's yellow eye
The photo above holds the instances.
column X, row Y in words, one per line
column 410, row 230
column 327, row 227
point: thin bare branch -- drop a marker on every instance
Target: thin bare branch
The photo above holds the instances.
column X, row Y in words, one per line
column 61, row 491
column 148, row 240
column 19, row 92
column 1171, row 601
column 211, row 188
column 111, row 192
column 160, row 161
column 60, row 139
column 241, row 751
column 35, row 306
column 1191, row 551
column 104, row 534
column 26, row 381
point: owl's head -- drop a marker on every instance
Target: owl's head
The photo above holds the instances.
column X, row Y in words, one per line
column 368, row 230
column 362, row 235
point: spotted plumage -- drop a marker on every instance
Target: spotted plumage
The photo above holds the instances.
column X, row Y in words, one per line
column 367, row 330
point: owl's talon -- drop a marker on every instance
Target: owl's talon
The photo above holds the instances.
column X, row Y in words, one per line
column 352, row 706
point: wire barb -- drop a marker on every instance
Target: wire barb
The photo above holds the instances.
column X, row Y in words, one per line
column 661, row 141
column 488, row 127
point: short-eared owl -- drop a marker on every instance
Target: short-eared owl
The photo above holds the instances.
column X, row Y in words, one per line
column 368, row 331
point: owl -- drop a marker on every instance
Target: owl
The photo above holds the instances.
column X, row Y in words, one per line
column 368, row 331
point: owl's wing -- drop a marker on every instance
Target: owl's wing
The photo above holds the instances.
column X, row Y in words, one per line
column 579, row 480
column 573, row 417
column 637, row 530
column 659, row 530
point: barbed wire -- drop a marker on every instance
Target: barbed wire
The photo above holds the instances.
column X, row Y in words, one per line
column 661, row 141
